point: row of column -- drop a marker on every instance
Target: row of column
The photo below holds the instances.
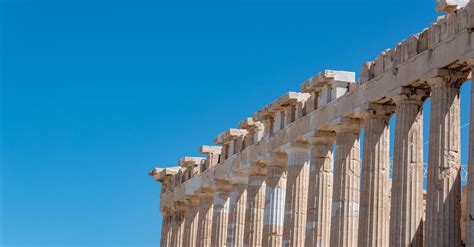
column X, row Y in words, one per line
column 299, row 202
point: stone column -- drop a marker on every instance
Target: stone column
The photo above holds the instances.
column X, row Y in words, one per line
column 374, row 218
column 220, row 214
column 166, row 230
column 296, row 201
column 443, row 208
column 274, row 202
column 236, row 226
column 318, row 226
column 206, row 208
column 406, row 227
column 255, row 209
column 178, row 224
column 345, row 206
column 470, row 177
column 191, row 217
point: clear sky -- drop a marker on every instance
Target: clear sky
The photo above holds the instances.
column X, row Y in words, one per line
column 95, row 93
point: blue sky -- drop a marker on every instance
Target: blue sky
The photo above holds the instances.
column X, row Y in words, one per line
column 96, row 93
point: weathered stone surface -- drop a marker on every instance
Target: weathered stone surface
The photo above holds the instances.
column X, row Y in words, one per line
column 398, row 74
column 374, row 215
column 318, row 222
column 346, row 194
column 236, row 226
column 406, row 228
column 443, row 207
column 296, row 199
column 255, row 210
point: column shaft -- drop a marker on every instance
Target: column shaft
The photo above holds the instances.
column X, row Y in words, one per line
column 443, row 208
column 296, row 201
column 178, row 227
column 254, row 211
column 345, row 206
column 470, row 179
column 318, row 226
column 220, row 218
column 406, row 227
column 206, row 208
column 274, row 205
column 191, row 218
column 236, row 226
column 166, row 231
column 374, row 216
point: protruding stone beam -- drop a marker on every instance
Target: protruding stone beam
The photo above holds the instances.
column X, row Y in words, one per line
column 165, row 177
column 327, row 86
column 296, row 201
column 406, row 228
column 281, row 112
column 275, row 195
column 231, row 141
column 238, row 200
column 192, row 165
column 213, row 155
column 374, row 218
column 255, row 131
column 443, row 208
column 450, row 6
column 345, row 206
column 318, row 223
column 220, row 214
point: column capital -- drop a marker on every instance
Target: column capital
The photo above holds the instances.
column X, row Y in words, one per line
column 445, row 77
column 374, row 109
column 414, row 95
column 222, row 186
column 274, row 159
column 320, row 137
column 296, row 147
column 345, row 124
column 236, row 177
column 192, row 201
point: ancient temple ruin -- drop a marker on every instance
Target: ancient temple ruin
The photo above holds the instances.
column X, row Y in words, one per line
column 293, row 175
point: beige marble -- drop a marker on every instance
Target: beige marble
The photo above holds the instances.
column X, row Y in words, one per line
column 374, row 218
column 401, row 75
column 346, row 194
column 274, row 204
column 406, row 228
column 443, row 208
column 253, row 229
column 206, row 211
column 236, row 225
column 318, row 222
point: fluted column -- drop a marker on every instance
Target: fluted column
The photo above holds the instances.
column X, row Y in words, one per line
column 236, row 225
column 374, row 224
column 220, row 214
column 296, row 201
column 345, row 206
column 406, row 227
column 274, row 203
column 318, row 226
column 206, row 208
column 178, row 224
column 443, row 208
column 191, row 217
column 255, row 210
column 470, row 176
column 166, row 230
